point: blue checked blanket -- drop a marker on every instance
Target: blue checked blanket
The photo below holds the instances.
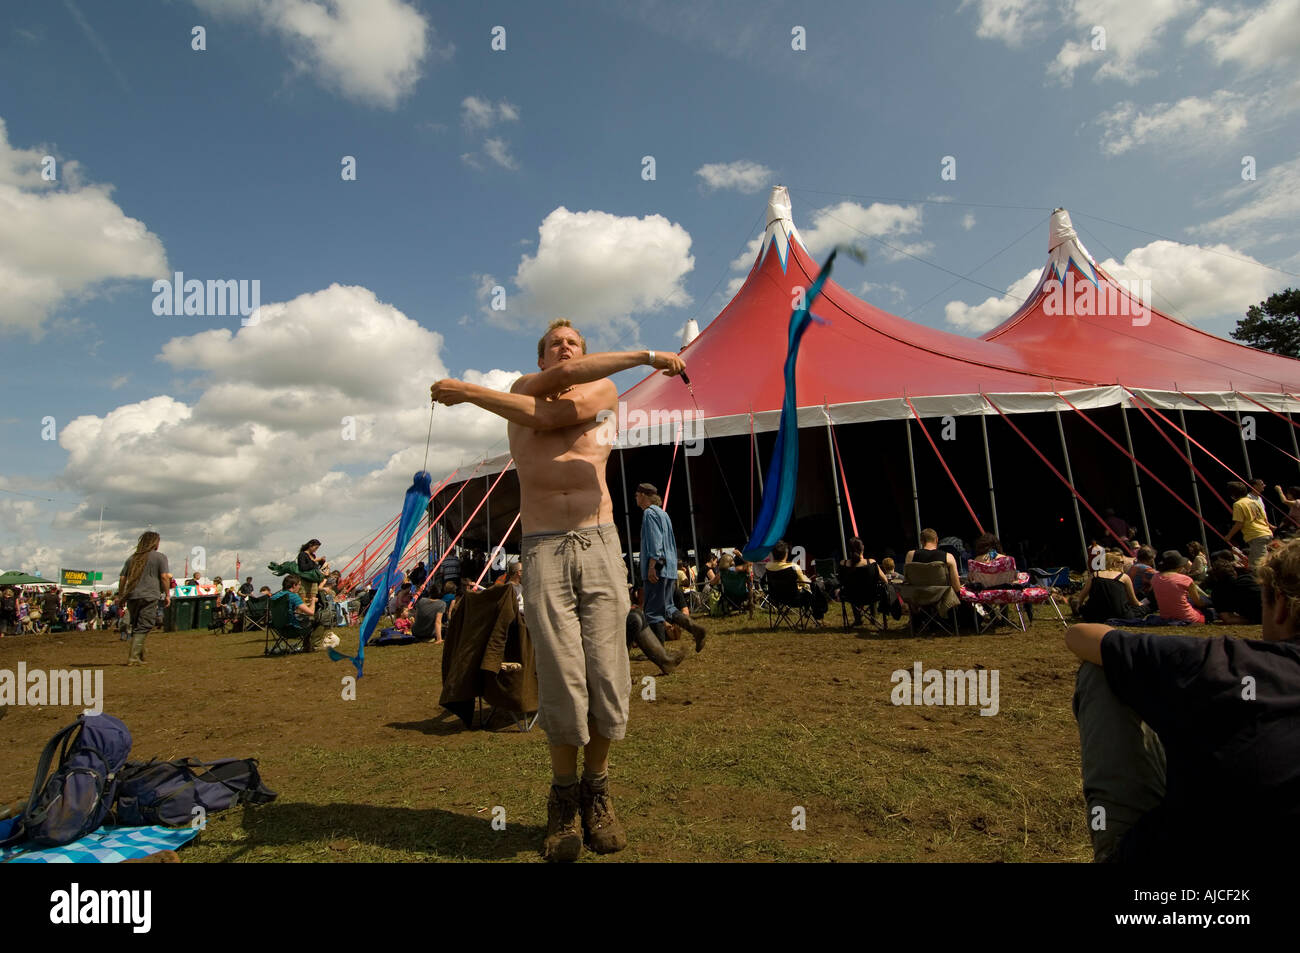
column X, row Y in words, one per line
column 108, row 845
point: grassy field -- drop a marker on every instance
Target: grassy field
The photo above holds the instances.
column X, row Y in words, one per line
column 759, row 724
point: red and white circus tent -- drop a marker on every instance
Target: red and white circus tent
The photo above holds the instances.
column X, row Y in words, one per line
column 1081, row 342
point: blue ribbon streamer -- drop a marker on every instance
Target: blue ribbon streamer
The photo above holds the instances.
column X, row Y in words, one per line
column 413, row 508
column 780, row 487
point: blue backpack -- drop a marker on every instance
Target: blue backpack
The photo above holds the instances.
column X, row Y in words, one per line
column 74, row 800
column 185, row 791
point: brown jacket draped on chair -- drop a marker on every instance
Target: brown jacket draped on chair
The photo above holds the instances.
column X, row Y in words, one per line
column 485, row 630
column 927, row 584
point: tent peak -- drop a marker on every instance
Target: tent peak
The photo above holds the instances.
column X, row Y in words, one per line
column 1063, row 246
column 780, row 228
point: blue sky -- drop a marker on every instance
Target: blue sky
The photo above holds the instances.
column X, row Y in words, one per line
column 523, row 168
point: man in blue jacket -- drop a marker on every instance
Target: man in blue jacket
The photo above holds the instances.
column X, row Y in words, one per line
column 659, row 567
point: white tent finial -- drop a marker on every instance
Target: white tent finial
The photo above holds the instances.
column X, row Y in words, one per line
column 780, row 228
column 1063, row 246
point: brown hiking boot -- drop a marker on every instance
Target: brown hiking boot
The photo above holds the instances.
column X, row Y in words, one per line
column 563, row 830
column 604, row 833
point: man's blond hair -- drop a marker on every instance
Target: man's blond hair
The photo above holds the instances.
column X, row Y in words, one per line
column 559, row 323
column 1279, row 576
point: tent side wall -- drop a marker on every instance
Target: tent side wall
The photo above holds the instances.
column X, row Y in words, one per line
column 1036, row 515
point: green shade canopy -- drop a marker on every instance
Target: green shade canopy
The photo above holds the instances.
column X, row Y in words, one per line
column 14, row 578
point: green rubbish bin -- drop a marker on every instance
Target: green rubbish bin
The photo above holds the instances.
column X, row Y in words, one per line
column 183, row 610
column 207, row 610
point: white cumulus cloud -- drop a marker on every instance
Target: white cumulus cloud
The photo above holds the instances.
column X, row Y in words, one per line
column 1132, row 32
column 598, row 269
column 61, row 240
column 742, row 175
column 369, row 51
column 480, row 113
column 1271, row 202
column 1196, row 282
column 499, row 152
column 1011, row 21
column 308, row 423
column 1253, row 37
column 1129, row 126
column 994, row 309
column 852, row 223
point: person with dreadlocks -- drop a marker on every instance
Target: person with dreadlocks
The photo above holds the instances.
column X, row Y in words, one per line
column 144, row 583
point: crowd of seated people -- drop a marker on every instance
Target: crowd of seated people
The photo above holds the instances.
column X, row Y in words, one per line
column 1164, row 731
column 1176, row 586
column 1187, row 586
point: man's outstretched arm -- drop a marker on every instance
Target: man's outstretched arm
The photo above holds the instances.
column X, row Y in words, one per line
column 592, row 367
column 527, row 410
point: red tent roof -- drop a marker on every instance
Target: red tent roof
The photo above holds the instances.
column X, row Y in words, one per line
column 863, row 354
column 864, row 360
column 1080, row 321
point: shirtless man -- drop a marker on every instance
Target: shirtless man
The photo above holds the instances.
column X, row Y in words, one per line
column 575, row 581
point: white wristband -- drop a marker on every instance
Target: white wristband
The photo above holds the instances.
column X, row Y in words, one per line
column 651, row 360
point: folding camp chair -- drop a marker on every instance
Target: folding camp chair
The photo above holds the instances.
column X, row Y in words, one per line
column 282, row 637
column 931, row 603
column 997, row 589
column 787, row 603
column 257, row 613
column 221, row 619
column 1052, row 580
column 735, row 592
column 759, row 588
column 862, row 589
column 694, row 600
column 827, row 572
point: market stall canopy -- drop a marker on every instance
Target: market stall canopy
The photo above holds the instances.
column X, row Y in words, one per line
column 16, row 578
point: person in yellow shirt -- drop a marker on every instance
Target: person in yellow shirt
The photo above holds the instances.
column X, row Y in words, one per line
column 816, row 597
column 1249, row 519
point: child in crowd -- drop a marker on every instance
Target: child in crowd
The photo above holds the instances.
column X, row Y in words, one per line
column 1200, row 564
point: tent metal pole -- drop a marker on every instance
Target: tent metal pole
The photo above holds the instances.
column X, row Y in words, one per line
column 1244, row 452
column 758, row 462
column 1069, row 475
column 988, row 467
column 690, row 505
column 1137, row 481
column 487, row 509
column 835, row 481
column 1294, row 446
column 428, row 549
column 1196, row 493
column 627, row 514
column 911, row 467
